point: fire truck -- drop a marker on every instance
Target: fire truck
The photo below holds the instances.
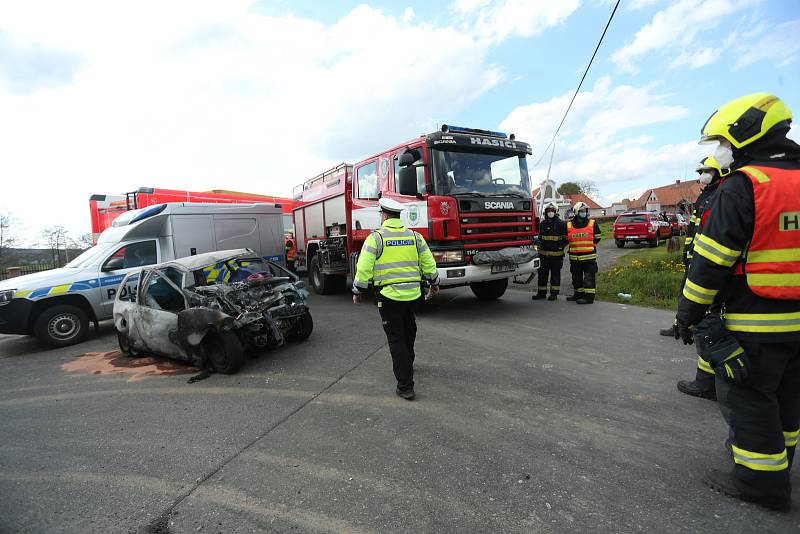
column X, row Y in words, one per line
column 467, row 191
column 105, row 208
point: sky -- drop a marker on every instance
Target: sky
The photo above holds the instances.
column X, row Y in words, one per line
column 104, row 96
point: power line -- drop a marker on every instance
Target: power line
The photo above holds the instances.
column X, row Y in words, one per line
column 560, row 124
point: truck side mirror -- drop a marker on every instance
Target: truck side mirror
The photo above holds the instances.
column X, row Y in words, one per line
column 407, row 177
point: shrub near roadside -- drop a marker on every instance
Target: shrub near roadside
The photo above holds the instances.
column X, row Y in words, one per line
column 653, row 277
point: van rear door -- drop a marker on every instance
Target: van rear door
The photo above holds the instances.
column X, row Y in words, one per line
column 192, row 234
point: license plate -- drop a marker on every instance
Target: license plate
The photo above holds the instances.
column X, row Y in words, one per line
column 503, row 268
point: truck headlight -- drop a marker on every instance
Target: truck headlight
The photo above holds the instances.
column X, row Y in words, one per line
column 6, row 296
column 448, row 256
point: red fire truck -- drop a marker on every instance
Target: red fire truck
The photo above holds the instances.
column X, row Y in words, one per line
column 467, row 191
column 105, row 208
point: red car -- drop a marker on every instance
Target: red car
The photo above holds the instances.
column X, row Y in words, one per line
column 678, row 223
column 641, row 227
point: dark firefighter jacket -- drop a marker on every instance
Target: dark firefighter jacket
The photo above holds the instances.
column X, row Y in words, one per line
column 700, row 206
column 553, row 237
column 729, row 228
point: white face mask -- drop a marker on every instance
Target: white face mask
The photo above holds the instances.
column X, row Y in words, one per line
column 724, row 156
column 551, row 214
column 706, row 178
column 582, row 214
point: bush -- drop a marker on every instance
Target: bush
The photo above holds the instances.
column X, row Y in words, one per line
column 652, row 276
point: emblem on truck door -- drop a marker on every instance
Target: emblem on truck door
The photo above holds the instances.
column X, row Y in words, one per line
column 444, row 207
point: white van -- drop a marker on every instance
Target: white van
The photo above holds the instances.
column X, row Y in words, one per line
column 58, row 305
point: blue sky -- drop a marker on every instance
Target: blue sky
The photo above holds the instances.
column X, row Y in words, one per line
column 104, row 97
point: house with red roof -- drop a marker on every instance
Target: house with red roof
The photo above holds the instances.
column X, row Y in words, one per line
column 678, row 197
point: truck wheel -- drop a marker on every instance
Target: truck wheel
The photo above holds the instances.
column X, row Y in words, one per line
column 323, row 284
column 61, row 325
column 620, row 243
column 303, row 328
column 491, row 290
column 224, row 352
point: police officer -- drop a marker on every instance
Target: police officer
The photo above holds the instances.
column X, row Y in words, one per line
column 747, row 258
column 552, row 240
column 710, row 176
column 583, row 234
column 397, row 260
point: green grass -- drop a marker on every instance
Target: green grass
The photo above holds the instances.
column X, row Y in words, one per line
column 652, row 276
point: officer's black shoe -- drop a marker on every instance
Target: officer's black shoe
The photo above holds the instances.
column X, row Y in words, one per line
column 584, row 301
column 407, row 394
column 724, row 483
column 552, row 297
column 693, row 388
column 538, row 296
column 573, row 298
column 667, row 332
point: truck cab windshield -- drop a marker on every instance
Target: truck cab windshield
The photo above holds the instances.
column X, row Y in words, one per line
column 465, row 173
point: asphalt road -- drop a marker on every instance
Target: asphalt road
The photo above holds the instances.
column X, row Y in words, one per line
column 530, row 417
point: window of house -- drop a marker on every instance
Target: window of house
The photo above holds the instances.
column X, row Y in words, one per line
column 367, row 177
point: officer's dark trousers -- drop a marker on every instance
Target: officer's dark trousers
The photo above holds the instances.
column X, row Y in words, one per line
column 583, row 278
column 400, row 326
column 550, row 269
column 764, row 417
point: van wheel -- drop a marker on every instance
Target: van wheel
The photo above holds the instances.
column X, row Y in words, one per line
column 224, row 352
column 323, row 284
column 621, row 243
column 491, row 290
column 62, row 325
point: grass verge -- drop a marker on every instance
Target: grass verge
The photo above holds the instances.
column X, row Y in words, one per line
column 652, row 276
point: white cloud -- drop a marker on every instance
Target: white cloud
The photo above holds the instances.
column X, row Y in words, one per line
column 780, row 45
column 496, row 21
column 696, row 59
column 203, row 95
column 677, row 26
column 599, row 140
column 636, row 5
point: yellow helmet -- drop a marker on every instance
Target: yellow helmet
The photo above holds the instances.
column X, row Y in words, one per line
column 709, row 163
column 580, row 206
column 746, row 119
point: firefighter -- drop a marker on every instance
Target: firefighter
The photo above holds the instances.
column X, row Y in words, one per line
column 747, row 259
column 291, row 252
column 710, row 175
column 583, row 234
column 397, row 260
column 552, row 240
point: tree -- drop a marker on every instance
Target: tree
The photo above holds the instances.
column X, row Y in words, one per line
column 54, row 237
column 7, row 239
column 588, row 188
column 81, row 242
column 569, row 188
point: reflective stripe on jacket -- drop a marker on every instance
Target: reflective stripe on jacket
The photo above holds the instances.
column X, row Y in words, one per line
column 581, row 242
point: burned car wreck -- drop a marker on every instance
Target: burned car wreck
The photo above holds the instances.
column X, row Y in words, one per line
column 211, row 308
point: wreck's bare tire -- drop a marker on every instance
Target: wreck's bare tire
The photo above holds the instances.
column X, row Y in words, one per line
column 224, row 352
column 62, row 325
column 305, row 325
column 323, row 284
column 125, row 345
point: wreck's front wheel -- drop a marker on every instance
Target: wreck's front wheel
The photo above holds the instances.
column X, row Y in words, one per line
column 304, row 327
column 224, row 352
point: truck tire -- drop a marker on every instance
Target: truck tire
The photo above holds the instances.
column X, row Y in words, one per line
column 620, row 243
column 490, row 290
column 304, row 327
column 323, row 284
column 61, row 325
column 224, row 352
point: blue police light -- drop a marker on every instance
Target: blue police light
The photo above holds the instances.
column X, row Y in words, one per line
column 149, row 212
column 461, row 129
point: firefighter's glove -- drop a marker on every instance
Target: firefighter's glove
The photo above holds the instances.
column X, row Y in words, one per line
column 718, row 347
column 684, row 331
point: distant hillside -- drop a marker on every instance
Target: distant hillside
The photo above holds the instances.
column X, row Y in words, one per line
column 15, row 257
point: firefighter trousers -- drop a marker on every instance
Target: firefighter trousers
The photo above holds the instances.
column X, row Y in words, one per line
column 549, row 269
column 763, row 415
column 400, row 326
column 584, row 278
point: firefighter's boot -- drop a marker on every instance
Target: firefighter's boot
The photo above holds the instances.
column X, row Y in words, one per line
column 696, row 389
column 725, row 483
column 552, row 297
column 539, row 296
column 576, row 296
column 667, row 332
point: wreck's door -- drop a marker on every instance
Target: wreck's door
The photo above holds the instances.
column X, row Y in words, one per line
column 157, row 315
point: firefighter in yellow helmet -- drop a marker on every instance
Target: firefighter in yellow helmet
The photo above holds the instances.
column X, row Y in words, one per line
column 397, row 260
column 583, row 234
column 747, row 260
